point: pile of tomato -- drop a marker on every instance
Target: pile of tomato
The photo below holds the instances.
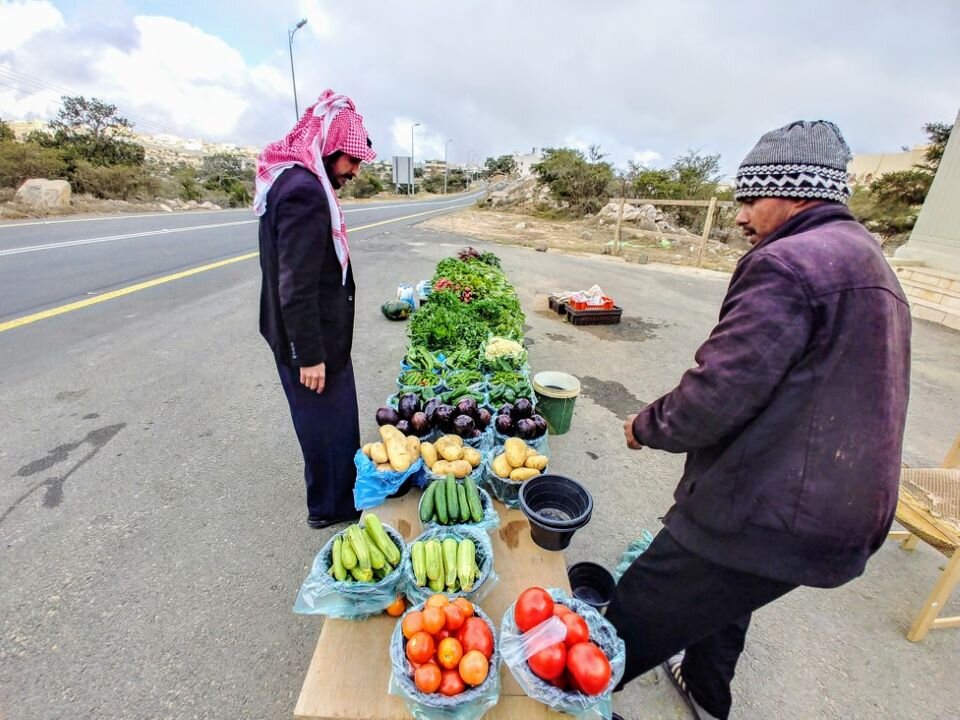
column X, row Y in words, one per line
column 448, row 645
column 576, row 663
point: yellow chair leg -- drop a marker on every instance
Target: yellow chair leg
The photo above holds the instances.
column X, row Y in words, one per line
column 910, row 543
column 935, row 602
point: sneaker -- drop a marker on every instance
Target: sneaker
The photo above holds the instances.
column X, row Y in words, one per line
column 318, row 523
column 673, row 669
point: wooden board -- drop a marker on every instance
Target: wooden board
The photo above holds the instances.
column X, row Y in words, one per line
column 350, row 670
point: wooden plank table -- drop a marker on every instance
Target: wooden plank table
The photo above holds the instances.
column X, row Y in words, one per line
column 350, row 670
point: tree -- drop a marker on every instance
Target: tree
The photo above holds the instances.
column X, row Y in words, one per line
column 691, row 177
column 91, row 130
column 504, row 164
column 366, row 184
column 905, row 186
column 221, row 170
column 938, row 133
column 582, row 183
column 6, row 132
column 21, row 161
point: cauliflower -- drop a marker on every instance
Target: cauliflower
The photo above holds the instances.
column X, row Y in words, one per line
column 498, row 347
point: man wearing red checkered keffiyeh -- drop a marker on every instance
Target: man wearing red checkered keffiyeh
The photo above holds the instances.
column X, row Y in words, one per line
column 306, row 300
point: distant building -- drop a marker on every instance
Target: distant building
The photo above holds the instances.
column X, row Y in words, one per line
column 526, row 162
column 864, row 169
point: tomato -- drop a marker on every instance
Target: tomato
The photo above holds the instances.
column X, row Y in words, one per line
column 465, row 605
column 397, row 607
column 475, row 635
column 533, row 607
column 474, row 668
column 449, row 653
column 439, row 600
column 433, row 620
column 550, row 662
column 451, row 683
column 442, row 635
column 589, row 668
column 561, row 682
column 412, row 624
column 420, row 647
column 455, row 617
column 577, row 630
column 561, row 610
column 427, row 678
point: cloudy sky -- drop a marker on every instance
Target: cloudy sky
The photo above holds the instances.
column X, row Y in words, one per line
column 645, row 80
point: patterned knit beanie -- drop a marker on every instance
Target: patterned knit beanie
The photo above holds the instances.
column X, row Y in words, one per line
column 803, row 160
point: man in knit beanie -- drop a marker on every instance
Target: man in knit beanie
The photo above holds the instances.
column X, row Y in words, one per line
column 792, row 424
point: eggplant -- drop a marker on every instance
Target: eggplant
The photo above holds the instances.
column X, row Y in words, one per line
column 475, row 434
column 387, row 416
column 429, row 408
column 419, row 423
column 464, row 426
column 408, row 405
column 483, row 418
column 505, row 409
column 504, row 425
column 467, row 406
column 403, row 426
column 541, row 424
column 522, row 408
column 443, row 417
column 526, row 429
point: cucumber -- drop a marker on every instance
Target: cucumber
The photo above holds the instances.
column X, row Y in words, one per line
column 440, row 497
column 427, row 504
column 453, row 504
column 462, row 502
column 473, row 499
column 450, row 563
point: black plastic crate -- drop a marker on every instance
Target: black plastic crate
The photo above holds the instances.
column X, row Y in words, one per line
column 560, row 308
column 594, row 317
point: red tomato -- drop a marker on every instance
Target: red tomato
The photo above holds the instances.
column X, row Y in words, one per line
column 475, row 635
column 589, row 668
column 427, row 678
column 451, row 683
column 442, row 635
column 550, row 662
column 420, row 647
column 561, row 610
column 449, row 653
column 454, row 617
column 533, row 607
column 577, row 630
column 464, row 605
column 433, row 620
column 474, row 668
column 560, row 682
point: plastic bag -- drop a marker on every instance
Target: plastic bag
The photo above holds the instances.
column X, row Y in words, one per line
column 488, row 578
column 468, row 705
column 633, row 551
column 322, row 594
column 517, row 647
column 431, row 476
column 489, row 523
column 540, row 444
column 374, row 486
column 505, row 490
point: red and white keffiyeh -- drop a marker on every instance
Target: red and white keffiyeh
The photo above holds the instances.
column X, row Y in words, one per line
column 329, row 125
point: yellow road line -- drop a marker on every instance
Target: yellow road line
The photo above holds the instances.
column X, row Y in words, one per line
column 113, row 294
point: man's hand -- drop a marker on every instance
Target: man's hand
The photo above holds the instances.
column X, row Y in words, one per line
column 628, row 433
column 314, row 377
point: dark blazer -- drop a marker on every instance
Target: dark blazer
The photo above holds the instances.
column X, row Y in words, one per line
column 306, row 312
column 793, row 419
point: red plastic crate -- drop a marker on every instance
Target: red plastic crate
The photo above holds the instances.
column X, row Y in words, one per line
column 580, row 306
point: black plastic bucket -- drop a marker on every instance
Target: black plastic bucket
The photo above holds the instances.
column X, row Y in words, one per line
column 591, row 583
column 556, row 507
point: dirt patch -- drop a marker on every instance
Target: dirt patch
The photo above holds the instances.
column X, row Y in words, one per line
column 559, row 337
column 514, row 228
column 611, row 395
column 630, row 329
column 404, row 528
column 510, row 533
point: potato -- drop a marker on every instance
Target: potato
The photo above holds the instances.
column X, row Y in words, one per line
column 385, row 467
column 472, row 456
column 429, row 453
column 537, row 462
column 451, row 452
column 455, row 439
column 516, row 451
column 531, row 452
column 522, row 473
column 413, row 447
column 397, row 454
column 460, row 468
column 366, row 449
column 378, row 452
column 501, row 467
column 440, row 467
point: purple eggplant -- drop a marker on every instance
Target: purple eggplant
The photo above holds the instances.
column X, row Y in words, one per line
column 541, row 424
column 408, row 405
column 467, row 406
column 443, row 417
column 387, row 416
column 430, row 407
column 505, row 409
column 483, row 418
column 522, row 408
column 475, row 434
column 419, row 423
column 403, row 426
column 464, row 426
column 504, row 425
column 526, row 429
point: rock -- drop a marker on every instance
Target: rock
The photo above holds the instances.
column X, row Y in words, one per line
column 585, row 235
column 540, row 247
column 210, row 206
column 165, row 207
column 40, row 193
column 520, row 226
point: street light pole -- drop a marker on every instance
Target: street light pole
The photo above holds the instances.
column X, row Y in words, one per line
column 413, row 165
column 446, row 145
column 293, row 76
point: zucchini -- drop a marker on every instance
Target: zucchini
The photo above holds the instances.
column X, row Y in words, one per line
column 339, row 572
column 440, row 497
column 473, row 499
column 377, row 560
column 434, row 559
column 426, row 503
column 466, row 564
column 359, row 543
column 418, row 556
column 462, row 502
column 453, row 504
column 450, row 563
column 381, row 539
column 347, row 555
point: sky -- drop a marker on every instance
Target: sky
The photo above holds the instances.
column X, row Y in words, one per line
column 646, row 80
